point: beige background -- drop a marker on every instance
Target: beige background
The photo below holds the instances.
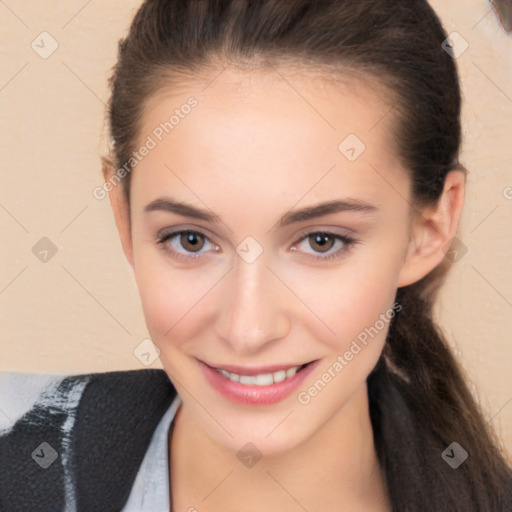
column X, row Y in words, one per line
column 80, row 311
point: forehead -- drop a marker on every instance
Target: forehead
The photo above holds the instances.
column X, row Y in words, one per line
column 279, row 129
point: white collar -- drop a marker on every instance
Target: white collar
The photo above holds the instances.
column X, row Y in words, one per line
column 150, row 491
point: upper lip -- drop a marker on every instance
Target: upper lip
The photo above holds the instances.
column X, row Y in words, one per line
column 254, row 370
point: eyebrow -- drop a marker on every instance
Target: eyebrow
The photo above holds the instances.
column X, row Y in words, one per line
column 168, row 204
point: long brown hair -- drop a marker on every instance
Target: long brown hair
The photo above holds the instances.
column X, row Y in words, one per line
column 419, row 401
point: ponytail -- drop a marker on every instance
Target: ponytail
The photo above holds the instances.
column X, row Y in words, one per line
column 419, row 405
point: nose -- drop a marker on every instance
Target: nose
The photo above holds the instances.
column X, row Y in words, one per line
column 253, row 311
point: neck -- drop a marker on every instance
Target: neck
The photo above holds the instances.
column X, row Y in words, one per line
column 336, row 469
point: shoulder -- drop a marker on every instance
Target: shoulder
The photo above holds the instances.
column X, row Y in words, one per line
column 62, row 435
column 38, row 398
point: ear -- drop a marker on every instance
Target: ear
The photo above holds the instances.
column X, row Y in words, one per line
column 121, row 211
column 434, row 229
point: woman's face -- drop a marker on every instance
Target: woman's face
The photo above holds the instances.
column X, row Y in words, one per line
column 259, row 288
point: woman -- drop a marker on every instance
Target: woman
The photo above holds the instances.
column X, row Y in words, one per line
column 285, row 180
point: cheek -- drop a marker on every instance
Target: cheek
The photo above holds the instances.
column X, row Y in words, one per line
column 161, row 307
column 172, row 298
column 352, row 300
column 359, row 312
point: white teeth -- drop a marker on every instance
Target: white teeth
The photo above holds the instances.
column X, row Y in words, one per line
column 247, row 379
column 234, row 377
column 291, row 372
column 264, row 379
column 231, row 376
column 279, row 376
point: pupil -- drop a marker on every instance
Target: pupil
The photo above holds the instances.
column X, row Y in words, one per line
column 192, row 239
column 322, row 240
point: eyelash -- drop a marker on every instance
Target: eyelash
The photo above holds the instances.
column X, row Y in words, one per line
column 348, row 242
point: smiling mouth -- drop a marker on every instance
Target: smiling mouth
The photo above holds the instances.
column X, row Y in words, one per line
column 263, row 379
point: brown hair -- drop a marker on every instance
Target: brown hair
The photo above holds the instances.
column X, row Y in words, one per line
column 419, row 400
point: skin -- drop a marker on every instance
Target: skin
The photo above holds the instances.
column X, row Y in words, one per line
column 252, row 150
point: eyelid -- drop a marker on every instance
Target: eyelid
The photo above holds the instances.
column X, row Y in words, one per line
column 334, row 230
column 170, row 231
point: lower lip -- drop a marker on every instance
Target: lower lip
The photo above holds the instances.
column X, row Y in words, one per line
column 252, row 394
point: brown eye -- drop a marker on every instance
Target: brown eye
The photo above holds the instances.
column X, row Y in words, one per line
column 191, row 241
column 186, row 244
column 321, row 245
column 322, row 242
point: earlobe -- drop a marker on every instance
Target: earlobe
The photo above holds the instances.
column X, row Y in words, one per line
column 434, row 230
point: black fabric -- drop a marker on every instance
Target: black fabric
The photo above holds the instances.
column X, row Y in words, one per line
column 115, row 419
